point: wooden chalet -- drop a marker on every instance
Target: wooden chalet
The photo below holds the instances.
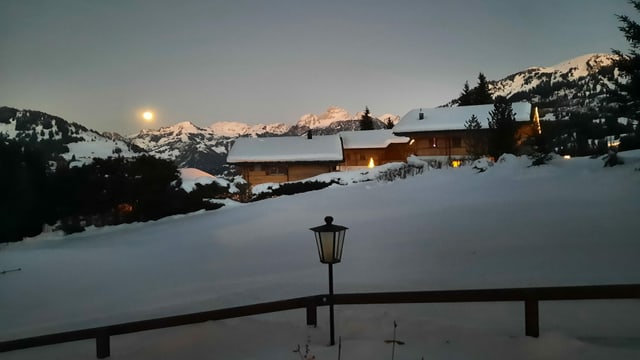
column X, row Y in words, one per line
column 288, row 158
column 371, row 148
column 440, row 134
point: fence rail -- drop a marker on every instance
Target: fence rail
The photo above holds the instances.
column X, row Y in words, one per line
column 530, row 297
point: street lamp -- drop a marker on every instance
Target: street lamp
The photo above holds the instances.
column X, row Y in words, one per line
column 330, row 239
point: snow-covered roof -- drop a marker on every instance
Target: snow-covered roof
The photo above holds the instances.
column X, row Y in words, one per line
column 370, row 139
column 286, row 149
column 453, row 118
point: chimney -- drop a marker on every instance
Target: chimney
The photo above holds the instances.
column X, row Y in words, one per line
column 309, row 135
column 420, row 115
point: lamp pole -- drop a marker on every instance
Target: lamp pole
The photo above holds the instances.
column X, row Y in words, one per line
column 329, row 240
column 331, row 323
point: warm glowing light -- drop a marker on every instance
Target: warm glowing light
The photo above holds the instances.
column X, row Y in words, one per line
column 147, row 116
column 567, row 156
column 456, row 163
column 371, row 163
column 536, row 120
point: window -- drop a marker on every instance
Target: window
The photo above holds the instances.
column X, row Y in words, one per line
column 276, row 170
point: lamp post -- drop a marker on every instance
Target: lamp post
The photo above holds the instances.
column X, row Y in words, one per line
column 330, row 239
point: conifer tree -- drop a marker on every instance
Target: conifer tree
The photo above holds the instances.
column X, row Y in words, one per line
column 481, row 92
column 479, row 95
column 502, row 123
column 474, row 140
column 466, row 96
column 629, row 65
column 389, row 123
column 366, row 122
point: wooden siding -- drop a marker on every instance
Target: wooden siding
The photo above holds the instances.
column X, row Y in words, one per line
column 450, row 143
column 303, row 171
column 454, row 143
column 282, row 172
column 360, row 157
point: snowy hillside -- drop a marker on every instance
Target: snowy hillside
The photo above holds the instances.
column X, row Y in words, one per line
column 61, row 138
column 578, row 84
column 572, row 222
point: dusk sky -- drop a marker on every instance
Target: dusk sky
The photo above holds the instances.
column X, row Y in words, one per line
column 102, row 63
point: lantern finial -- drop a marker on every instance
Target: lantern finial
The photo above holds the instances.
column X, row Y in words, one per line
column 328, row 220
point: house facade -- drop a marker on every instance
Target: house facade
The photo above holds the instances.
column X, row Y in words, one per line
column 440, row 133
column 288, row 158
column 372, row 148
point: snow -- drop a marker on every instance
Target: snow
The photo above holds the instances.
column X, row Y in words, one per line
column 370, row 139
column 191, row 176
column 454, row 118
column 286, row 148
column 579, row 65
column 95, row 146
column 571, row 222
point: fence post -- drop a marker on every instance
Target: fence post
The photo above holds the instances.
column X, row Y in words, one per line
column 103, row 349
column 531, row 323
column 312, row 315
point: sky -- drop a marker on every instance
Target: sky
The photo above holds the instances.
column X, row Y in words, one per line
column 103, row 63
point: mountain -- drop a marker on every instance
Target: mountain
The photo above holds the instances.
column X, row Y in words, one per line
column 334, row 120
column 187, row 145
column 585, row 83
column 61, row 139
column 235, row 129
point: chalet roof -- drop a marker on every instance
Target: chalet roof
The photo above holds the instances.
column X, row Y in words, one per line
column 453, row 118
column 370, row 139
column 286, row 149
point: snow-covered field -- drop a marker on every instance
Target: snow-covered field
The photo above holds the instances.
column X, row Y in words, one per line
column 571, row 222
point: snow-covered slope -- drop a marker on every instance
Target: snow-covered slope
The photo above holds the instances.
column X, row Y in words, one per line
column 572, row 222
column 585, row 82
column 58, row 137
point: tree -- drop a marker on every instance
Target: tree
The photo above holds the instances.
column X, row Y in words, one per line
column 479, row 95
column 366, row 122
column 474, row 140
column 629, row 65
column 389, row 123
column 502, row 123
column 466, row 96
column 24, row 184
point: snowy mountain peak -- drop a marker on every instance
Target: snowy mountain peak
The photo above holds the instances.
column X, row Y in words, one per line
column 578, row 84
column 584, row 63
column 234, row 129
column 331, row 115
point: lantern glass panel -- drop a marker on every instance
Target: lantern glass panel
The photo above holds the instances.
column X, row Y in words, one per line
column 339, row 243
column 328, row 246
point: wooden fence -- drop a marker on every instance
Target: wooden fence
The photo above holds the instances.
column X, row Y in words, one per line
column 529, row 296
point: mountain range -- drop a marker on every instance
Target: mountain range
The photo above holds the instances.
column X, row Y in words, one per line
column 581, row 84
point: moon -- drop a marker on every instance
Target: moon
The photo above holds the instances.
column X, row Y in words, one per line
column 147, row 116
